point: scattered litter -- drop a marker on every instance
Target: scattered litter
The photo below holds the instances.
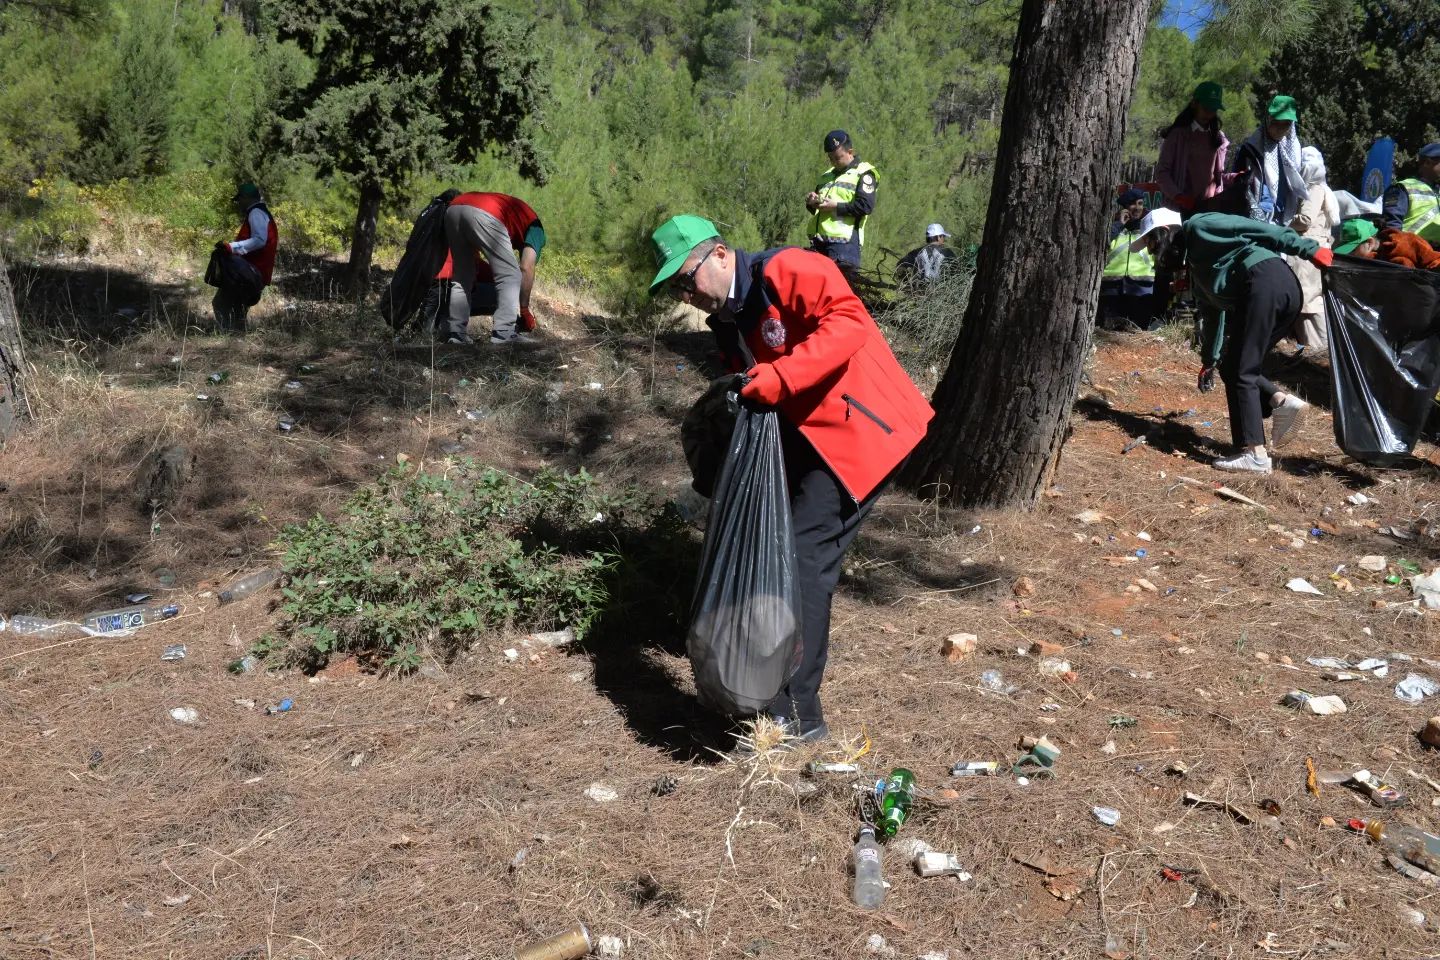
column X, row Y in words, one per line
column 932, row 863
column 1089, row 517
column 594, row 385
column 293, row 384
column 1372, row 562
column 248, row 584
column 1204, row 803
column 356, row 760
column 284, row 706
column 1301, row 585
column 1024, row 587
column 975, row 768
column 1330, row 663
column 819, row 768
column 665, row 786
column 1039, row 759
column 1416, row 687
column 185, row 715
column 994, row 681
column 876, row 945
column 175, row 651
column 1177, row 768
column 554, row 638
column 245, row 664
column 219, row 376
column 1142, row 535
column 511, row 654
column 1049, row 708
column 1383, row 794
column 1430, row 733
column 285, row 426
column 245, row 702
column 610, row 948
column 570, row 945
column 1109, row 749
column 136, row 597
column 1229, row 494
column 1357, row 499
column 1308, row 702
column 1427, row 588
column 1054, row 667
column 601, row 793
column 179, row 901
column 1340, row 676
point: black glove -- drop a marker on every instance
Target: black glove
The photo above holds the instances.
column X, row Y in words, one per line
column 1206, row 381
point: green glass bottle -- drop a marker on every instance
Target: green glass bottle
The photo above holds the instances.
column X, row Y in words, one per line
column 895, row 801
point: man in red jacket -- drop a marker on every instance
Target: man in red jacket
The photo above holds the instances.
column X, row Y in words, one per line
column 255, row 242
column 849, row 414
column 495, row 225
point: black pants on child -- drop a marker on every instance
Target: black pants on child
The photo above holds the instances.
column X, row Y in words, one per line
column 826, row 520
column 1272, row 302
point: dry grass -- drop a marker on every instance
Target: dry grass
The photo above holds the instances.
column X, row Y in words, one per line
column 388, row 817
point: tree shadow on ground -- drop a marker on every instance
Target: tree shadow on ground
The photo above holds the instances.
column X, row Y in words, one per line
column 99, row 306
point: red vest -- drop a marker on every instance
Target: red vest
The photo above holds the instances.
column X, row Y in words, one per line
column 846, row 392
column 513, row 212
column 263, row 259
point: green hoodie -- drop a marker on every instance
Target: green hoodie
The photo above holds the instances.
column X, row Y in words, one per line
column 1222, row 249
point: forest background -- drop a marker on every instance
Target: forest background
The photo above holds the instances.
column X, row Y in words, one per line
column 633, row 110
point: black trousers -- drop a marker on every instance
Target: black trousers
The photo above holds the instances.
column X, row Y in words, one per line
column 826, row 520
column 1272, row 302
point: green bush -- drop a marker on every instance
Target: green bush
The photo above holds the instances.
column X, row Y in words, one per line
column 430, row 560
column 55, row 216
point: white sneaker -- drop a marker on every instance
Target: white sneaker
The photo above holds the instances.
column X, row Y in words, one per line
column 1247, row 462
column 1285, row 418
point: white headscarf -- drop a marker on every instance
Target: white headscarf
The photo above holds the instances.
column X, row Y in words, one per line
column 1312, row 169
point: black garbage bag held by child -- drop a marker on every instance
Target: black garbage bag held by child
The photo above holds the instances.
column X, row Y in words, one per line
column 744, row 640
column 1384, row 324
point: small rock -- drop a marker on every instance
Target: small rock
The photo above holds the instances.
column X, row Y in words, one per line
column 1142, row 535
column 601, row 793
column 179, row 901
column 958, row 646
column 1024, row 587
column 1285, row 660
column 1147, row 586
column 1262, row 656
column 1044, row 648
column 1430, row 733
column 1327, row 822
column 1372, row 562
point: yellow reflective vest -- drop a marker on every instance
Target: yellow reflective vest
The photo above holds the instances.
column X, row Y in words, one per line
column 840, row 186
column 1124, row 264
column 1424, row 215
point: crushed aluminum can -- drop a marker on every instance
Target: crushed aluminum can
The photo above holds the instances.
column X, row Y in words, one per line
column 932, row 863
column 975, row 768
column 817, row 768
column 136, row 597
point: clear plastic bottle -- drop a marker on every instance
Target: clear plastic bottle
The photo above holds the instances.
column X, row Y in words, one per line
column 247, row 585
column 25, row 625
column 869, row 888
column 1406, row 842
column 124, row 619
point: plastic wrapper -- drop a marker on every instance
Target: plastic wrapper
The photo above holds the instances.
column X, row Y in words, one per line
column 744, row 640
column 1384, row 324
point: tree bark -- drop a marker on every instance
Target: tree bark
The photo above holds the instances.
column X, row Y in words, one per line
column 14, row 409
column 362, row 243
column 1005, row 399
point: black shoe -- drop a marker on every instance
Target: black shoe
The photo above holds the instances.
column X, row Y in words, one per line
column 458, row 338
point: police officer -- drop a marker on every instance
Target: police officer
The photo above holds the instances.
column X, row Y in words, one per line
column 1127, row 287
column 841, row 203
column 1413, row 205
column 848, row 411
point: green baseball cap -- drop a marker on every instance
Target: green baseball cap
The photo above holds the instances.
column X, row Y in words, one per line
column 1282, row 108
column 1209, row 95
column 673, row 240
column 1354, row 232
column 247, row 191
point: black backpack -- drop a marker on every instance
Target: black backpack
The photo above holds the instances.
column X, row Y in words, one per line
column 424, row 256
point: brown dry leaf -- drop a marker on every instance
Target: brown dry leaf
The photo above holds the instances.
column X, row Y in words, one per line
column 1063, row 888
column 1024, row 587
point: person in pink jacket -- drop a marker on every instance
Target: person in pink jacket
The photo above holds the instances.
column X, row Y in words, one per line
column 1192, row 157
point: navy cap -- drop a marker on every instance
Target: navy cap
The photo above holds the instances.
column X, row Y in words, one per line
column 1430, row 151
column 1130, row 196
column 836, row 138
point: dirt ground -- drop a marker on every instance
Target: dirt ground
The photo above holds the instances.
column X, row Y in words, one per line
column 446, row 814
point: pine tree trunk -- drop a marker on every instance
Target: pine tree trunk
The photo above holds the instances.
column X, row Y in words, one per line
column 362, row 244
column 1005, row 400
column 13, row 407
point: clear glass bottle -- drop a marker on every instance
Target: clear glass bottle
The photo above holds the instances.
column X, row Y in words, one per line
column 1407, row 843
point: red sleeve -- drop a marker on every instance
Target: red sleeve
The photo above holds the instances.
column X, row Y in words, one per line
column 810, row 285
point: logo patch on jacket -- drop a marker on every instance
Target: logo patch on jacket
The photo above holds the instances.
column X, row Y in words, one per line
column 772, row 331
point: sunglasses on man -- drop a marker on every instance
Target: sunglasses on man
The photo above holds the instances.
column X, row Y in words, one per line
column 684, row 283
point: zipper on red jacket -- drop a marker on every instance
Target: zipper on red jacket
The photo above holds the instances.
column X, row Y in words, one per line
column 852, row 402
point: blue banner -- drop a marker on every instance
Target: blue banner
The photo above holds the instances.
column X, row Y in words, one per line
column 1379, row 168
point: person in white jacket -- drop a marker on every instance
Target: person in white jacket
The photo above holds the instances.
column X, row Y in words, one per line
column 1318, row 217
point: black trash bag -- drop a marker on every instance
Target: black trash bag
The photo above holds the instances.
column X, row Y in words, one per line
column 744, row 641
column 424, row 255
column 235, row 275
column 1384, row 322
column 706, row 431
